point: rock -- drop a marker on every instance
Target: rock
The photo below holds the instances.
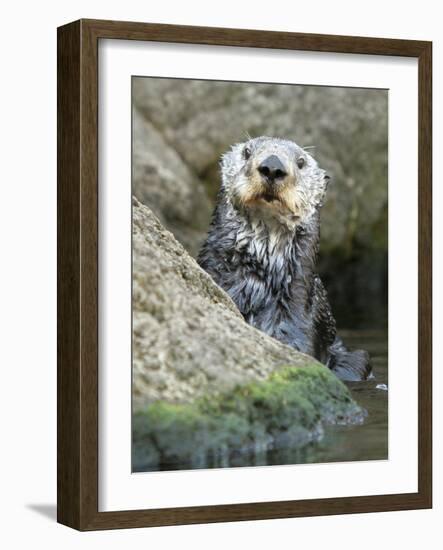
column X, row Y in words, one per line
column 258, row 423
column 189, row 337
column 206, row 385
column 162, row 180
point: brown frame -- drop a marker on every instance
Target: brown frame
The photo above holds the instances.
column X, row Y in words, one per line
column 77, row 456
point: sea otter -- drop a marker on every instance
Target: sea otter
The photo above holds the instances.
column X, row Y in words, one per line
column 262, row 249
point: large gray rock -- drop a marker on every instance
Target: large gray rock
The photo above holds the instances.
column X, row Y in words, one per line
column 189, row 340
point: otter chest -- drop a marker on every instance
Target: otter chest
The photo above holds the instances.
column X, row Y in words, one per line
column 268, row 284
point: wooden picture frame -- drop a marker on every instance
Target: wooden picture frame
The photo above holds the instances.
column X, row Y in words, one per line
column 78, row 274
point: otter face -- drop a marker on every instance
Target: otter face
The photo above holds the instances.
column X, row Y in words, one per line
column 273, row 180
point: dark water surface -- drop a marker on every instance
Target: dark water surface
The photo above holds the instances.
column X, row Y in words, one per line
column 368, row 441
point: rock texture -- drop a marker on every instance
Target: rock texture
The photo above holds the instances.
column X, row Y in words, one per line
column 189, row 340
column 164, row 181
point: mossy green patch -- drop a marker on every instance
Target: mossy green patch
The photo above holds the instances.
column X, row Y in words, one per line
column 287, row 411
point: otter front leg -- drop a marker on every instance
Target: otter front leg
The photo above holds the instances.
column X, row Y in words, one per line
column 349, row 365
column 323, row 321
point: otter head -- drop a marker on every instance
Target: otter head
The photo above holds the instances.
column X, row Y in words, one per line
column 273, row 180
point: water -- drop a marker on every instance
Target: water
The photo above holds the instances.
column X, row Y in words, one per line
column 368, row 441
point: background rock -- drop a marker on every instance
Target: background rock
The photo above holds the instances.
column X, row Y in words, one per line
column 182, row 127
column 165, row 182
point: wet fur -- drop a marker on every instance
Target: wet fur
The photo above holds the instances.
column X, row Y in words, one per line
column 263, row 252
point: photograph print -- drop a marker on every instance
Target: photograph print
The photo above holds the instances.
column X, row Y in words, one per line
column 259, row 274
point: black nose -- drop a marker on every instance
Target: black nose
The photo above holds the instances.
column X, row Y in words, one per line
column 272, row 169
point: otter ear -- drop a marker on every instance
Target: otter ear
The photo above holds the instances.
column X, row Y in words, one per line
column 327, row 179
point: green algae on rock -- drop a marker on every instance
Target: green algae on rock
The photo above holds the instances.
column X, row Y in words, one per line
column 285, row 412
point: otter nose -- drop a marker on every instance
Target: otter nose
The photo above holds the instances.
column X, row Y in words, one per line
column 272, row 169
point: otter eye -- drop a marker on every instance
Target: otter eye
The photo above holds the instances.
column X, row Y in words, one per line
column 246, row 152
column 300, row 162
